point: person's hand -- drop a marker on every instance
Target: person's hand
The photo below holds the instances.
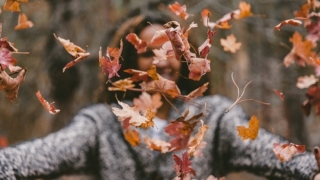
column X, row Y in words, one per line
column 316, row 152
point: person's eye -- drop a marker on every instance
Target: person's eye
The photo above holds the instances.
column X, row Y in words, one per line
column 147, row 54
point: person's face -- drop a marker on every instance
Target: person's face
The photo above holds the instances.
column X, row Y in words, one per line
column 169, row 68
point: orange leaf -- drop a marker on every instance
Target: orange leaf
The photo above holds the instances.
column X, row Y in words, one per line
column 13, row 5
column 278, row 93
column 75, row 51
column 146, row 100
column 132, row 136
column 198, row 67
column 157, row 145
column 11, row 85
column 179, row 10
column 286, row 151
column 303, row 12
column 292, row 22
column 48, row 106
column 230, row 44
column 198, row 92
column 152, row 72
column 150, row 116
column 140, row 45
column 159, row 38
column 244, row 11
column 196, row 141
column 122, row 85
column 250, row 132
column 23, row 22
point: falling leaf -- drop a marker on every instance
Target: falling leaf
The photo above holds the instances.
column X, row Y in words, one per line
column 6, row 58
column 132, row 136
column 205, row 47
column 121, row 85
column 176, row 42
column 303, row 12
column 229, row 44
column 279, row 94
column 179, row 10
column 300, row 52
column 245, row 11
column 23, row 22
column 313, row 95
column 286, row 151
column 150, row 115
column 306, row 81
column 3, row 141
column 198, row 67
column 13, row 5
column 146, row 100
column 48, row 106
column 182, row 165
column 205, row 13
column 130, row 113
column 140, row 45
column 152, row 72
column 157, row 145
column 11, row 85
column 159, row 38
column 110, row 64
column 75, row 51
column 250, row 132
column 198, row 92
column 292, row 22
column 196, row 141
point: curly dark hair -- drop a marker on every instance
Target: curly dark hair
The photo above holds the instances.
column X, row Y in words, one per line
column 135, row 23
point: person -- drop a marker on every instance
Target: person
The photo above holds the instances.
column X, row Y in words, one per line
column 93, row 142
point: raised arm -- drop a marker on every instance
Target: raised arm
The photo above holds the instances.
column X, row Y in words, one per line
column 255, row 156
column 72, row 149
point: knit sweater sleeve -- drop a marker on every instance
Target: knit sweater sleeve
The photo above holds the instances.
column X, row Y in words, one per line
column 70, row 150
column 255, row 156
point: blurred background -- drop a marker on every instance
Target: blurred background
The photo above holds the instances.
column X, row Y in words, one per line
column 86, row 24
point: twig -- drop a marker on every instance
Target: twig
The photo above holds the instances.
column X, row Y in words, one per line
column 238, row 100
column 171, row 104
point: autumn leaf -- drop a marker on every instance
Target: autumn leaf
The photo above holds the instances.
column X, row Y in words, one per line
column 179, row 10
column 140, row 45
column 313, row 95
column 250, row 132
column 176, row 42
column 205, row 13
column 48, row 106
column 121, row 85
column 4, row 43
column 130, row 113
column 196, row 141
column 286, row 151
column 6, row 58
column 198, row 92
column 306, row 81
column 23, row 22
column 183, row 165
column 13, row 5
column 75, row 51
column 159, row 38
column 157, row 145
column 146, row 101
column 3, row 141
column 137, row 75
column 229, row 44
column 279, row 94
column 292, row 22
column 303, row 12
column 110, row 64
column 205, row 47
column 150, row 115
column 245, row 11
column 300, row 52
column 132, row 136
column 11, row 85
column 159, row 55
column 152, row 72
column 198, row 67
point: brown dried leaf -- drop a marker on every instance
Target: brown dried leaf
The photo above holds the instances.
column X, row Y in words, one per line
column 48, row 106
column 11, row 85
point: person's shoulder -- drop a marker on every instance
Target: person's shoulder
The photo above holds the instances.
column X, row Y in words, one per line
column 216, row 99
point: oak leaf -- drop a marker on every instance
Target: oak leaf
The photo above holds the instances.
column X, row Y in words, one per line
column 11, row 85
column 250, row 132
column 78, row 54
column 23, row 22
column 286, row 151
column 131, row 113
column 48, row 106
column 229, row 44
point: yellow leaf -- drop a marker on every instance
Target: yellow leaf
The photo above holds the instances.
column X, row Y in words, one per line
column 132, row 136
column 250, row 132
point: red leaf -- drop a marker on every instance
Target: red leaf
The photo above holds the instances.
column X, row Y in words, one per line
column 183, row 166
column 11, row 85
column 286, row 151
column 176, row 42
column 179, row 10
column 48, row 106
column 140, row 45
column 280, row 94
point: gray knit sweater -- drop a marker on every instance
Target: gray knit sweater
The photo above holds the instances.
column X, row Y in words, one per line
column 94, row 143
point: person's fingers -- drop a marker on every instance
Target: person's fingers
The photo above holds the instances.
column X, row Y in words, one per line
column 316, row 152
